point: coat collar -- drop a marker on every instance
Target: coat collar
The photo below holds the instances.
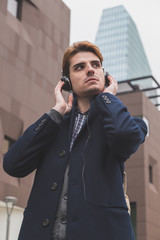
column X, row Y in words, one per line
column 91, row 112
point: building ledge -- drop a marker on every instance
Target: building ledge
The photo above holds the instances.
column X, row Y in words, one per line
column 147, row 84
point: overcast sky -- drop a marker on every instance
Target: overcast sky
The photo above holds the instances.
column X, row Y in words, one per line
column 86, row 14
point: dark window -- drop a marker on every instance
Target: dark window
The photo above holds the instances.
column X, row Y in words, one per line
column 19, row 9
column 15, row 7
column 150, row 174
column 134, row 218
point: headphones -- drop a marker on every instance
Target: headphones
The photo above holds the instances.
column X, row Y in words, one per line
column 68, row 85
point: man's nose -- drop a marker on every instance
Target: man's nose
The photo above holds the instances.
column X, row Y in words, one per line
column 90, row 70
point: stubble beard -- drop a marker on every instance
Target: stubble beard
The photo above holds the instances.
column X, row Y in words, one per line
column 93, row 91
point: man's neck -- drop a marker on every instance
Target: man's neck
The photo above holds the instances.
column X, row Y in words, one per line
column 83, row 104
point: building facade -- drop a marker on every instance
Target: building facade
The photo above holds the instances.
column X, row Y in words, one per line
column 143, row 170
column 121, row 46
column 34, row 35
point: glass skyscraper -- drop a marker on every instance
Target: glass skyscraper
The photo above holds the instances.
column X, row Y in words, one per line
column 121, row 46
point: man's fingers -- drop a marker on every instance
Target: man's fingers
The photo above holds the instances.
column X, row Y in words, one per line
column 59, row 86
column 113, row 81
column 70, row 99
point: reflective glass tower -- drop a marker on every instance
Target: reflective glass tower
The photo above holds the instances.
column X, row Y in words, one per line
column 121, row 46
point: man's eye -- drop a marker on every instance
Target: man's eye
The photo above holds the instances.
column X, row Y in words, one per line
column 78, row 68
column 96, row 65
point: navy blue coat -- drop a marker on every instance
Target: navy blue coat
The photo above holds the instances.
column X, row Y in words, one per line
column 96, row 205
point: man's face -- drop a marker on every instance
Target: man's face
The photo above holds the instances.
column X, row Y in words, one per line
column 86, row 74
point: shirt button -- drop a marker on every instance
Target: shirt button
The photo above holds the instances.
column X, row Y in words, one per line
column 62, row 153
column 54, row 186
column 63, row 220
column 45, row 222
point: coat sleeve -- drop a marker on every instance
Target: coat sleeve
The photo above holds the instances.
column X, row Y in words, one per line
column 26, row 154
column 123, row 133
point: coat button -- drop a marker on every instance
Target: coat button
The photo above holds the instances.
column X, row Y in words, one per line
column 65, row 196
column 45, row 222
column 44, row 120
column 54, row 186
column 106, row 99
column 62, row 153
column 63, row 219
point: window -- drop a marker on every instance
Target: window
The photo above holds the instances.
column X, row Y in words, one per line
column 153, row 174
column 15, row 8
column 134, row 218
column 7, row 143
column 12, row 7
column 150, row 174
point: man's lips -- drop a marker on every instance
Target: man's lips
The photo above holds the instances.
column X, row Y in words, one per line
column 91, row 79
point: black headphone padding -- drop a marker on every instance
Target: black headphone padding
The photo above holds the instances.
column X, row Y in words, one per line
column 67, row 86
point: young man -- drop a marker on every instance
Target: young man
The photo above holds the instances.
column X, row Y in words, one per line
column 78, row 150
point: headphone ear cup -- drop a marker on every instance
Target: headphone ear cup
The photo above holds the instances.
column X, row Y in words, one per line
column 67, row 83
column 106, row 79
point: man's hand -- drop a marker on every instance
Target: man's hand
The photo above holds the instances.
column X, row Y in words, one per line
column 113, row 86
column 61, row 106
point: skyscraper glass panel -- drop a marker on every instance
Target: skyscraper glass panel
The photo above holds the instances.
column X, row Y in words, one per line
column 121, row 46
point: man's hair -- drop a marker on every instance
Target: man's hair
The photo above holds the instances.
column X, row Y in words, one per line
column 83, row 46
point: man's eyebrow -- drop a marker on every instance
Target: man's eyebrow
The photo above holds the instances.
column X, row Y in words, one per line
column 96, row 61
